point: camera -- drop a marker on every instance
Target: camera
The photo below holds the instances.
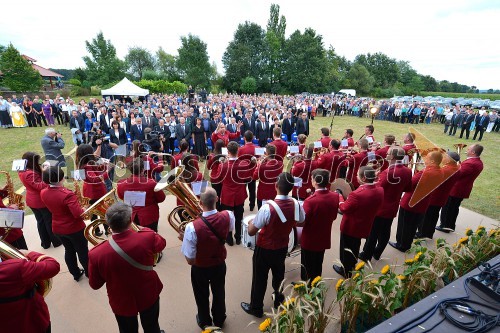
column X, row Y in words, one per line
column 154, row 135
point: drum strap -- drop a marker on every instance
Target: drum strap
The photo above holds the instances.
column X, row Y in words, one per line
column 127, row 258
column 212, row 229
column 280, row 212
column 28, row 294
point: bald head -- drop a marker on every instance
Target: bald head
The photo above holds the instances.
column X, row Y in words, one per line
column 208, row 199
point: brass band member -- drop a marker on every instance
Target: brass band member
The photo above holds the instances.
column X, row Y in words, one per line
column 125, row 263
column 276, row 220
column 357, row 161
column 154, row 167
column 267, row 172
column 302, row 169
column 348, row 137
column 203, row 247
column 67, row 222
column 17, row 296
column 213, row 164
column 302, row 142
column 14, row 236
column 382, row 151
column 247, row 151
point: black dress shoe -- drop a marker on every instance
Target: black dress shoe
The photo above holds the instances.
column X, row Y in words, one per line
column 56, row 244
column 440, row 228
column 278, row 299
column 252, row 208
column 79, row 275
column 339, row 270
column 376, row 256
column 238, row 241
column 363, row 257
column 396, row 246
column 229, row 239
column 247, row 308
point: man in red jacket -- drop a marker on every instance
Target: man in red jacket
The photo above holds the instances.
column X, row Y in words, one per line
column 414, row 203
column 234, row 174
column 356, row 161
column 247, row 151
column 469, row 171
column 359, row 211
column 302, row 169
column 275, row 220
column 23, row 309
column 331, row 160
column 381, row 153
column 321, row 210
column 439, row 196
column 267, row 172
column 281, row 146
column 394, row 180
column 325, row 137
column 203, row 247
column 125, row 263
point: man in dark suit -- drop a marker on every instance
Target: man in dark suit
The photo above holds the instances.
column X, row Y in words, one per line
column 303, row 124
column 182, row 130
column 469, row 171
column 262, row 130
column 149, row 120
column 137, row 130
column 77, row 127
column 105, row 120
column 466, row 122
column 288, row 126
column 248, row 123
column 481, row 124
column 164, row 132
column 126, row 260
column 232, row 127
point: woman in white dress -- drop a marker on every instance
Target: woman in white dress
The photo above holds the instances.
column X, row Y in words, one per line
column 17, row 115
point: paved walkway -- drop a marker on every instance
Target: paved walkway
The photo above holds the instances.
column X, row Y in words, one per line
column 75, row 307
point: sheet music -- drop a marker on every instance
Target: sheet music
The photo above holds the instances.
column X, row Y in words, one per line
column 294, row 149
column 370, row 139
column 147, row 167
column 135, row 198
column 78, row 174
column 19, row 165
column 344, row 143
column 121, row 150
column 260, row 151
column 11, row 218
column 224, row 150
column 371, row 156
column 297, row 181
column 317, row 144
column 199, row 187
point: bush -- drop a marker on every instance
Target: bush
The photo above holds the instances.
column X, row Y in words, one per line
column 95, row 91
column 75, row 82
column 248, row 85
column 79, row 91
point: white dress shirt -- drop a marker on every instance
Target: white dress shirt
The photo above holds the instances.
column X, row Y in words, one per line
column 264, row 213
column 190, row 240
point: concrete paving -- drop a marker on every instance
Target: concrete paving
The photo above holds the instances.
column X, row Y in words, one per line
column 75, row 307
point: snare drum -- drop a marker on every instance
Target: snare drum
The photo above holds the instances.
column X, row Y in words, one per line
column 247, row 240
column 294, row 239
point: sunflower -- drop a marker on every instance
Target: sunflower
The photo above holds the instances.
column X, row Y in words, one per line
column 355, row 276
column 480, row 228
column 339, row 284
column 265, row 325
column 359, row 266
column 385, row 269
column 283, row 313
column 463, row 240
column 401, row 277
column 409, row 261
column 289, row 302
column 417, row 256
column 468, row 232
column 315, row 281
column 374, row 281
column 299, row 286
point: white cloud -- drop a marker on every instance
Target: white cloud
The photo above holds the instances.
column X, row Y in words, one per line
column 452, row 40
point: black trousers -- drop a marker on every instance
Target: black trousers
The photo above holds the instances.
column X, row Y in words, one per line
column 238, row 217
column 465, row 129
column 379, row 237
column 203, row 279
column 171, row 145
column 40, row 117
column 312, row 264
column 428, row 224
column 20, row 243
column 480, row 130
column 262, row 142
column 218, row 190
column 44, row 224
column 149, row 320
column 347, row 258
column 453, row 129
column 31, row 119
column 407, row 227
column 259, row 203
column 264, row 260
column 58, row 116
column 251, row 193
column 74, row 244
column 449, row 213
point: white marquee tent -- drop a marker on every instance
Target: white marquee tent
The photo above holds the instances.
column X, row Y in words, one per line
column 125, row 88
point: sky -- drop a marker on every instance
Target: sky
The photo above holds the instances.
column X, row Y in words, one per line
column 454, row 40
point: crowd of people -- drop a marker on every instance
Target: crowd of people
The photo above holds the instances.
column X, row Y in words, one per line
column 383, row 177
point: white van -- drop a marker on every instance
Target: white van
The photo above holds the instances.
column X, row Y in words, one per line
column 350, row 92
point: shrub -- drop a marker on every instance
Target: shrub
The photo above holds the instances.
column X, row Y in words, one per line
column 95, row 91
column 248, row 85
column 75, row 82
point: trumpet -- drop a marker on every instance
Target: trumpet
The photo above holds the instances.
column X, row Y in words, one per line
column 319, row 152
column 158, row 154
column 119, row 165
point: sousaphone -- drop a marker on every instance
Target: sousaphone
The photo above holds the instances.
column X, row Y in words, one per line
column 342, row 186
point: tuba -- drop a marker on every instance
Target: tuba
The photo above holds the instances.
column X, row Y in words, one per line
column 84, row 201
column 191, row 209
column 7, row 251
column 99, row 208
column 14, row 198
column 459, row 147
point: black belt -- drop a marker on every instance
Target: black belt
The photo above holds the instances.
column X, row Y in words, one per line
column 29, row 294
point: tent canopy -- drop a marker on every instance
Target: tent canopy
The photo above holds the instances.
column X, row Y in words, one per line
column 125, row 88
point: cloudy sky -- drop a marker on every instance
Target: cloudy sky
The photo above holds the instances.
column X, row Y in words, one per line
column 455, row 40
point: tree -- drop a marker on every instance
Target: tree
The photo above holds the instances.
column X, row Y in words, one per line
column 193, row 62
column 18, row 74
column 245, row 56
column 103, row 66
column 275, row 39
column 337, row 69
column 430, row 83
column 406, row 72
column 248, row 85
column 305, row 62
column 138, row 60
column 166, row 63
column 360, row 79
column 416, row 85
column 384, row 69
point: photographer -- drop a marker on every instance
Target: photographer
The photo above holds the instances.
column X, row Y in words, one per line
column 104, row 149
column 152, row 138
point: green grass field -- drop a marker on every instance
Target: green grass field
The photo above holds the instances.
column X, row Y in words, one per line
column 484, row 199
